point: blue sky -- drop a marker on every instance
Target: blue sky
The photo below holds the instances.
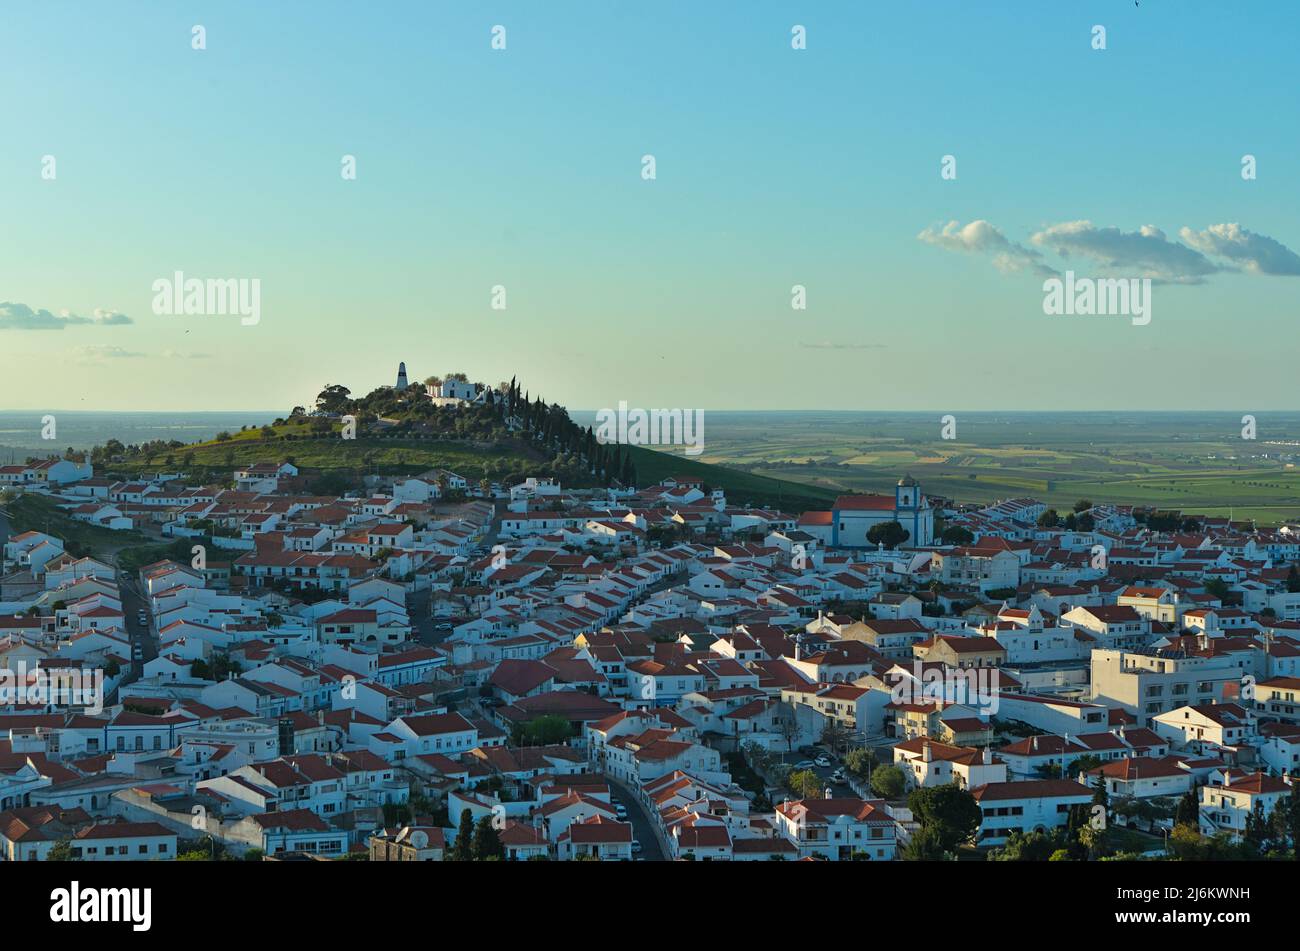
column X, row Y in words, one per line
column 522, row 168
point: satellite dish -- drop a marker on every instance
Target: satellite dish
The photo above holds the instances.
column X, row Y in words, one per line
column 419, row 840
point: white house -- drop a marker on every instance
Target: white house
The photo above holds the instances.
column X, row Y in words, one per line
column 1227, row 800
column 1034, row 804
column 835, row 829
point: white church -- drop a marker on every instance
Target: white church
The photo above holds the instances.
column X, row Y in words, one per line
column 852, row 516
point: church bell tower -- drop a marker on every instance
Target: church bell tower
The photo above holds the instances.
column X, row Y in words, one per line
column 906, row 494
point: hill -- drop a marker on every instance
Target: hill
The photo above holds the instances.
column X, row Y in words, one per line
column 509, row 459
column 742, row 488
column 499, row 434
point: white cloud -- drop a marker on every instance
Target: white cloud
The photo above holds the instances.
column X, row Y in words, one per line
column 981, row 237
column 111, row 318
column 1146, row 252
column 1257, row 253
column 1142, row 253
column 16, row 316
column 99, row 354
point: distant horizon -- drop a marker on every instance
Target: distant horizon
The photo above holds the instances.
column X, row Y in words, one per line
column 570, row 409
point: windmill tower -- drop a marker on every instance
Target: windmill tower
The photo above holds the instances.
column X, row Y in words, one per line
column 401, row 377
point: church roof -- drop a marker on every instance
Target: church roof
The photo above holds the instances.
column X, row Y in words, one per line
column 867, row 503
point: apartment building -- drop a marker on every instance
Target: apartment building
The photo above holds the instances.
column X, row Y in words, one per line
column 1149, row 683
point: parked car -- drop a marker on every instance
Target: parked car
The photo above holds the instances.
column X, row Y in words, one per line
column 636, row 846
column 804, row 764
column 823, row 761
column 620, row 810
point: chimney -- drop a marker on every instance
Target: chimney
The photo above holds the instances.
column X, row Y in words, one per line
column 988, row 756
column 1227, row 778
column 926, row 754
column 1035, row 744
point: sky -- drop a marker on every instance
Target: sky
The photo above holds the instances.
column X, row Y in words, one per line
column 523, row 168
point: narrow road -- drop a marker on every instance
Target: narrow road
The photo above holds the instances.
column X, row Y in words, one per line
column 144, row 646
column 426, row 630
column 642, row 829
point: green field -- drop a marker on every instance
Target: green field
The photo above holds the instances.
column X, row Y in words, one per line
column 1195, row 462
column 800, row 460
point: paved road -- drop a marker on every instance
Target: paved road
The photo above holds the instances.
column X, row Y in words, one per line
column 642, row 830
column 823, row 773
column 134, row 601
column 426, row 628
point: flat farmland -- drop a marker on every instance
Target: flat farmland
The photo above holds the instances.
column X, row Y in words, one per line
column 1195, row 462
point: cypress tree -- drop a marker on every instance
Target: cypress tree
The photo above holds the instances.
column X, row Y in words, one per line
column 463, row 850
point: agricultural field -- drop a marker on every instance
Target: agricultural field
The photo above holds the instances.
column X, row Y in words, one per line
column 1195, row 462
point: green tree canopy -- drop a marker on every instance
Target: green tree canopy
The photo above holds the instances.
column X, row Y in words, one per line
column 463, row 850
column 888, row 782
column 487, row 841
column 889, row 534
column 860, row 761
column 805, row 784
column 957, row 535
column 951, row 810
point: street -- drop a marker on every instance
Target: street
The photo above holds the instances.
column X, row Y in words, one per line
column 823, row 772
column 642, row 830
column 142, row 637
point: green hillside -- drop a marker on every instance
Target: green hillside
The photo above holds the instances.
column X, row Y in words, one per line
column 742, row 488
column 507, row 459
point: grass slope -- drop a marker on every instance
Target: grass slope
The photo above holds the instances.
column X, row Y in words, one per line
column 742, row 488
column 472, row 460
column 34, row 513
column 378, row 455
